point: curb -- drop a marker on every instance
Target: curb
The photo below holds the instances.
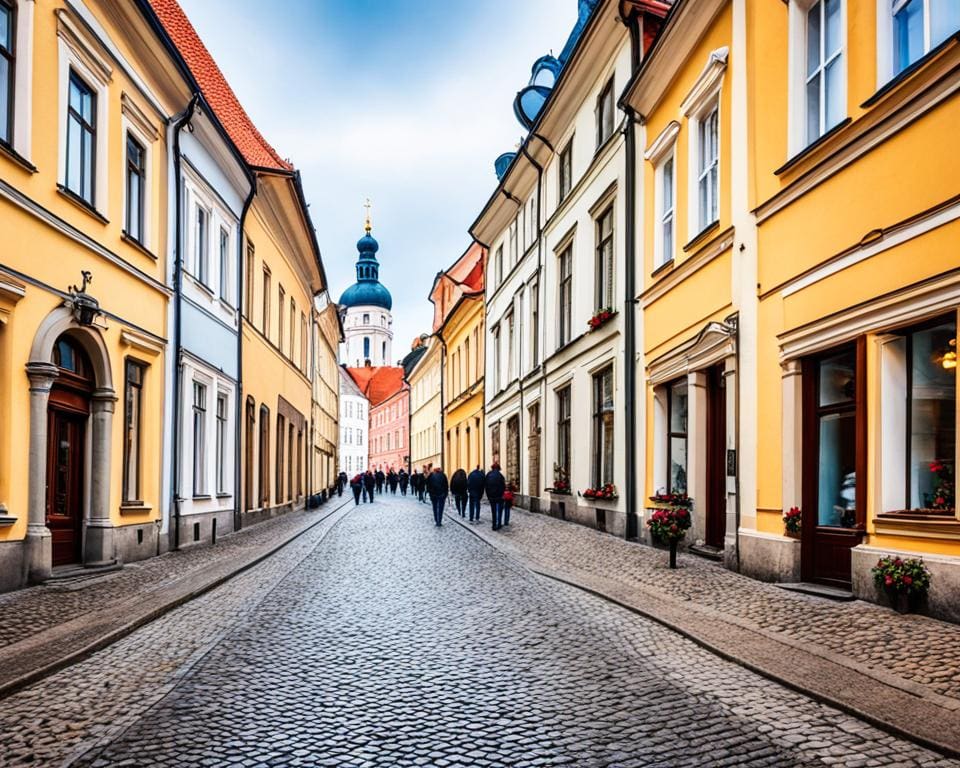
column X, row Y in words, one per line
column 112, row 636
column 876, row 720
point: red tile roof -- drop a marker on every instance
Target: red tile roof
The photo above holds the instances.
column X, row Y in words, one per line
column 378, row 384
column 215, row 88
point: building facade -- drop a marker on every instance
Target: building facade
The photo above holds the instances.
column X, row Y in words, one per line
column 389, row 397
column 459, row 313
column 354, row 426
column 84, row 299
column 327, row 335
column 426, row 425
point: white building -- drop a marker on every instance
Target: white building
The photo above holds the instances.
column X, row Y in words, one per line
column 354, row 426
column 365, row 307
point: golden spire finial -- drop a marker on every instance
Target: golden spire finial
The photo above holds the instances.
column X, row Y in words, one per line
column 367, row 225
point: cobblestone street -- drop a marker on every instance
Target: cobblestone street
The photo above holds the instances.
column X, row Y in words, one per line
column 376, row 638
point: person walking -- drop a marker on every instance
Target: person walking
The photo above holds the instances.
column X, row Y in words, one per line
column 342, row 482
column 422, row 489
column 369, row 483
column 507, row 503
column 356, row 485
column 392, row 481
column 438, row 487
column 403, row 478
column 495, row 485
column 458, row 487
column 476, row 481
column 380, row 477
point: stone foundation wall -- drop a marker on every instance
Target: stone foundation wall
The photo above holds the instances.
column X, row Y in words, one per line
column 768, row 557
column 12, row 574
column 190, row 535
column 138, row 542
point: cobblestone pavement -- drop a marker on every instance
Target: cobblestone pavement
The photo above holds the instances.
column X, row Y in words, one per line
column 27, row 612
column 867, row 634
column 393, row 642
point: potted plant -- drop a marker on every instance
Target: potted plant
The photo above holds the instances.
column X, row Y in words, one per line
column 942, row 496
column 671, row 520
column 607, row 492
column 904, row 581
column 600, row 317
column 792, row 520
column 561, row 481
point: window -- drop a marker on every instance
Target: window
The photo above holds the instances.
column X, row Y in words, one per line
column 920, row 26
column 566, row 170
column 281, row 306
column 224, row 264
column 366, row 347
column 81, row 138
column 383, row 352
column 498, row 266
column 510, row 347
column 291, row 456
column 466, row 361
column 603, row 428
column 303, row 343
column 281, row 432
column 133, row 402
column 248, row 297
column 677, row 437
column 366, row 319
column 666, row 206
column 532, row 221
column 564, row 444
column 222, row 462
column 264, row 455
column 566, row 295
column 605, row 259
column 136, row 177
column 496, row 358
column 293, row 326
column 513, row 242
column 199, row 439
column 824, row 71
column 922, row 418
column 201, row 245
column 535, row 324
column 605, row 113
column 383, row 321
column 266, row 301
column 708, row 161
column 7, row 62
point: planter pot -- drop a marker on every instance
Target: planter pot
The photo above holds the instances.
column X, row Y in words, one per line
column 904, row 602
column 673, row 553
column 792, row 534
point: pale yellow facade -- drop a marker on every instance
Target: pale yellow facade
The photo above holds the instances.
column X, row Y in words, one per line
column 425, row 407
column 463, row 416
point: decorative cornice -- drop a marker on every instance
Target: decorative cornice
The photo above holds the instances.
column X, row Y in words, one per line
column 708, row 81
column 139, row 120
column 140, row 342
column 70, row 33
column 713, row 343
column 663, row 143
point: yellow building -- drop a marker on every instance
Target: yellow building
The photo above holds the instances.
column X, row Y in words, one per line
column 425, row 406
column 283, row 274
column 83, row 162
column 327, row 335
column 458, row 301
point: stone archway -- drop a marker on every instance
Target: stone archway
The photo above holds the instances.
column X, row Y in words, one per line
column 98, row 546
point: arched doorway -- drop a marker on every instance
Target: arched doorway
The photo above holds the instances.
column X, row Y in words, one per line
column 68, row 410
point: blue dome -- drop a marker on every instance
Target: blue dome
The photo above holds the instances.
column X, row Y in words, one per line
column 367, row 294
column 367, row 244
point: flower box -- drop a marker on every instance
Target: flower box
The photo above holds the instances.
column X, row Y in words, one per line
column 606, row 493
column 601, row 318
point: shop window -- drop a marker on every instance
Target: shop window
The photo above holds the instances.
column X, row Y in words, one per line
column 677, row 437
column 133, row 402
column 603, row 427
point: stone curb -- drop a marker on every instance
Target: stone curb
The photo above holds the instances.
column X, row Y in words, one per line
column 823, row 679
column 125, row 618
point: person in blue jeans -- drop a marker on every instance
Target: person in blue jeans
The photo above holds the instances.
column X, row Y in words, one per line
column 495, row 486
column 476, row 481
column 438, row 488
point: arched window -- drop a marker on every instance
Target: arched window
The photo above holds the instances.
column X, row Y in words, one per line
column 69, row 356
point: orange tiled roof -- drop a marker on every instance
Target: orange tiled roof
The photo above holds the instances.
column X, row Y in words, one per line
column 216, row 90
column 378, row 384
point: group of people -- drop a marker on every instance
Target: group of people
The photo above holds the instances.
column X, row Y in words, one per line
column 467, row 490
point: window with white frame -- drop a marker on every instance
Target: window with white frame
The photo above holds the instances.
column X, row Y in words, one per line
column 510, row 346
column 532, row 221
column 496, row 358
column 81, row 146
column 224, row 264
column 602, row 470
column 201, row 244
column 565, row 295
column 136, row 172
column 824, row 91
column 223, row 462
column 513, row 242
column 605, row 113
column 708, row 162
column 605, row 259
column 199, row 439
column 498, row 266
column 919, row 26
column 566, row 170
column 676, row 436
column 8, row 27
column 666, row 203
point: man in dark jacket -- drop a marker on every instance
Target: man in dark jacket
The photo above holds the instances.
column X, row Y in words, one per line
column 495, row 486
column 458, row 487
column 422, row 487
column 437, row 487
column 392, row 481
column 403, row 478
column 356, row 485
column 476, row 481
column 369, row 483
column 380, row 477
column 342, row 482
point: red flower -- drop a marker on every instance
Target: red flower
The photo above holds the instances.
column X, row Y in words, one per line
column 888, row 580
column 908, row 580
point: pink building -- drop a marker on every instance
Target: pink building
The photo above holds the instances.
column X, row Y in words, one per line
column 389, row 397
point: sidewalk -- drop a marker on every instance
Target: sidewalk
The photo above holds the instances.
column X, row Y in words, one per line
column 46, row 627
column 899, row 672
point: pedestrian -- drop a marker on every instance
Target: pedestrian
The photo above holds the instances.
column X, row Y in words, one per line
column 369, row 483
column 404, row 478
column 475, row 484
column 392, row 481
column 342, row 482
column 356, row 485
column 458, row 487
column 380, row 477
column 422, row 487
column 437, row 486
column 507, row 503
column 495, row 485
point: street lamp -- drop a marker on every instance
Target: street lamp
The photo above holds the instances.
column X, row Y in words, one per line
column 86, row 309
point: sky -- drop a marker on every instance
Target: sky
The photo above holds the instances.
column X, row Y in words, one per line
column 405, row 102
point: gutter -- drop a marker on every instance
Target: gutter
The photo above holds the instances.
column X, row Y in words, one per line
column 630, row 324
column 179, row 124
column 238, row 496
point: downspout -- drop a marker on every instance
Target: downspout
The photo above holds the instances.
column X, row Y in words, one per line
column 237, row 452
column 443, row 414
column 630, row 325
column 181, row 121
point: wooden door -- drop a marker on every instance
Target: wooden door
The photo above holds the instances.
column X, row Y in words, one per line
column 834, row 463
column 533, row 450
column 513, row 450
column 65, row 462
column 716, row 502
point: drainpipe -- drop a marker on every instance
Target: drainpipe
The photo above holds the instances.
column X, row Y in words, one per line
column 629, row 324
column 237, row 453
column 181, row 121
column 443, row 419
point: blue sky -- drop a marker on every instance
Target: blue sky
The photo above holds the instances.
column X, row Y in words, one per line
column 407, row 102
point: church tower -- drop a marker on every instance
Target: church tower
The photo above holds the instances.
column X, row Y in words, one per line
column 366, row 309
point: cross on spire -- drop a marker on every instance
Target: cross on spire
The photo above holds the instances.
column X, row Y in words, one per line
column 367, row 225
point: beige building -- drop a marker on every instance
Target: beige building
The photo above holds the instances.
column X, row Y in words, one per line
column 425, row 406
column 327, row 335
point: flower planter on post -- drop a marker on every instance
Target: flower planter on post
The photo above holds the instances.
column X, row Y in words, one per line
column 671, row 520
